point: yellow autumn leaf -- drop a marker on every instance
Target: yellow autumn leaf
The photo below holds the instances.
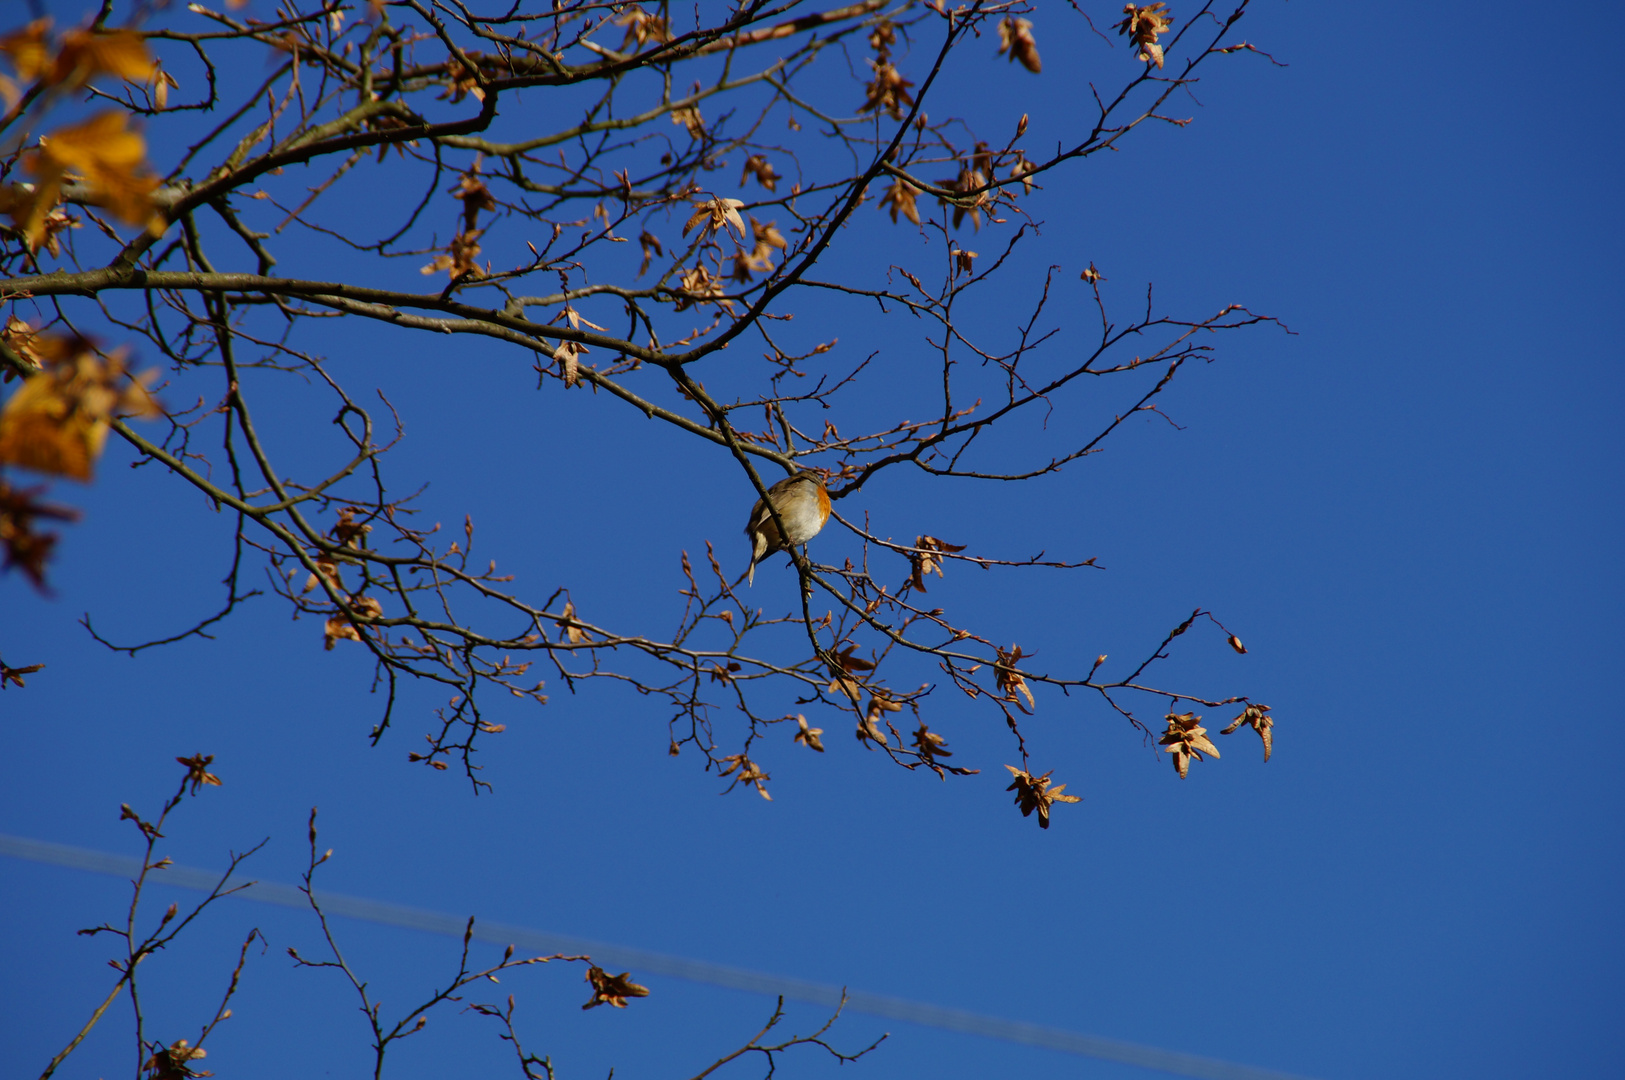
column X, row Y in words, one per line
column 57, row 421
column 29, row 49
column 87, row 54
column 107, row 156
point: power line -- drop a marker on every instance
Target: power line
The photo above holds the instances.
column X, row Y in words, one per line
column 523, row 938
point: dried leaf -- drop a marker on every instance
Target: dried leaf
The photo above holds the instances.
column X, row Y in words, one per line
column 459, row 258
column 475, row 196
column 651, row 248
column 758, row 166
column 698, row 284
column 1035, row 793
column 88, row 54
column 109, row 158
column 1022, row 170
column 1256, row 717
column 610, row 989
column 15, row 674
column 716, row 214
column 688, row 116
column 172, row 1062
column 1010, row 681
column 1186, row 738
column 883, row 36
column 642, row 27
column 969, row 180
column 57, row 421
column 931, row 745
column 327, row 569
column 749, row 773
column 900, row 198
column 568, row 626
column 1144, row 23
column 1016, row 38
column 29, row 49
column 848, row 671
column 568, row 354
column 1091, row 275
column 159, row 84
column 26, row 548
column 197, row 773
column 806, row 736
column 927, row 558
column 26, row 343
column 338, row 628
column 460, row 82
column 888, row 90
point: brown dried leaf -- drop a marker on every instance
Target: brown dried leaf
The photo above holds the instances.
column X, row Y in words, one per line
column 688, row 116
column 197, row 773
column 159, row 84
column 1022, row 170
column 749, row 773
column 806, row 736
column 900, row 198
column 869, row 729
column 460, row 256
column 338, row 628
column 1091, row 275
column 475, row 196
column 757, row 165
column 568, row 626
column 172, row 1062
column 568, row 354
column 1144, row 23
column 930, row 745
column 1016, row 38
column 883, row 36
column 848, row 671
column 460, row 83
column 26, row 342
column 716, row 214
column 610, row 989
column 1256, row 717
column 927, row 559
column 1009, row 680
column 968, row 180
column 642, row 27
column 327, row 569
column 651, row 248
column 698, row 284
column 1186, row 738
column 15, row 674
column 1035, row 793
column 26, row 548
column 888, row 90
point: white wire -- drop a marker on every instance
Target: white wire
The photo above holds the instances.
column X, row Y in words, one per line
column 640, row 961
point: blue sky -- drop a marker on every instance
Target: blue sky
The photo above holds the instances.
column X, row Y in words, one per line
column 1409, row 509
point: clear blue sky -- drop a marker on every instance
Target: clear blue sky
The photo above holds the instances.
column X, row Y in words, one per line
column 1410, row 510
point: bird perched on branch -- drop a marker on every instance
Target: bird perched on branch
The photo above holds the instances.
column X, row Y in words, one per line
column 803, row 506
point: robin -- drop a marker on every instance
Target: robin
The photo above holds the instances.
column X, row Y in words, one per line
column 803, row 506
